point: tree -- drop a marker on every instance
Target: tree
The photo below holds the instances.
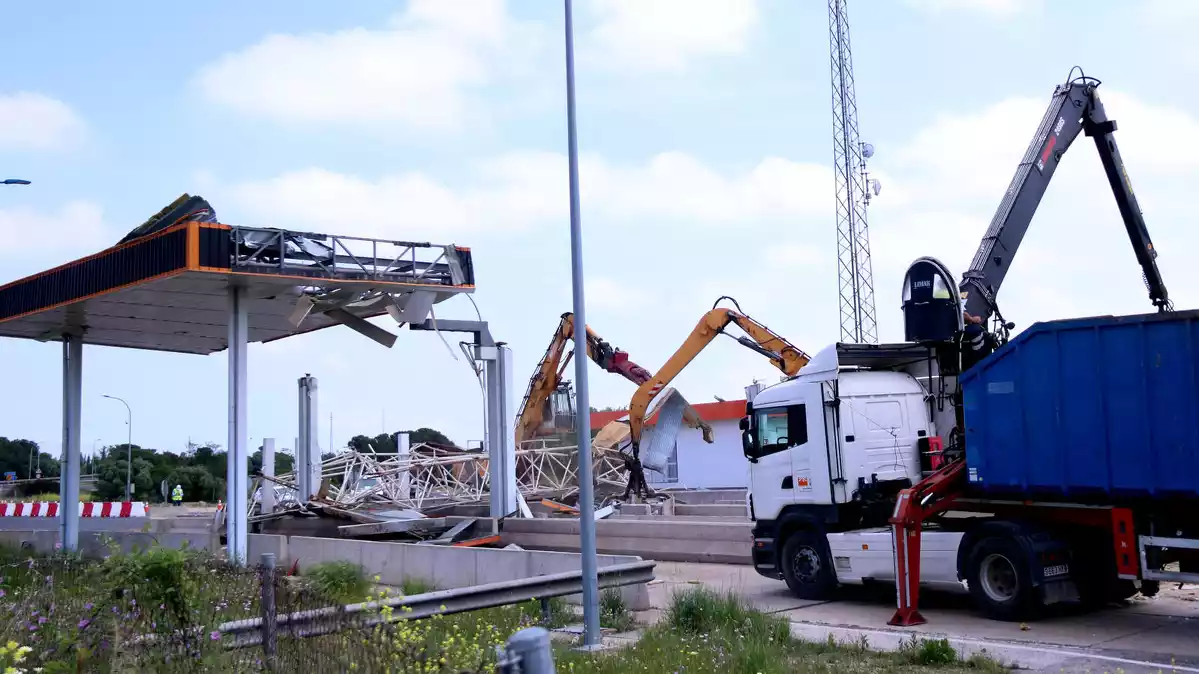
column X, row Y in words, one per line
column 430, row 436
column 110, row 479
column 198, row 484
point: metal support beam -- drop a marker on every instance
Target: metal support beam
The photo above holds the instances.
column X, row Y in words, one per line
column 237, row 475
column 404, row 454
column 308, row 453
column 268, row 469
column 499, row 417
column 72, row 416
column 501, row 439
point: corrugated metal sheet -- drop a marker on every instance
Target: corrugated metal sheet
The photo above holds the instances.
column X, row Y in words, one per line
column 1088, row 408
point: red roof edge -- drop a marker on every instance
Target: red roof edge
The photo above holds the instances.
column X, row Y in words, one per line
column 717, row 411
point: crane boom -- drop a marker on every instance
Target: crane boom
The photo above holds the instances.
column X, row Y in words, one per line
column 1075, row 108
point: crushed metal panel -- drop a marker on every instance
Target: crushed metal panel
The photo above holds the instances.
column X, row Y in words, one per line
column 656, row 454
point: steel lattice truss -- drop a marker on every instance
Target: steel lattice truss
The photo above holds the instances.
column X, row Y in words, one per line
column 431, row 477
column 855, row 279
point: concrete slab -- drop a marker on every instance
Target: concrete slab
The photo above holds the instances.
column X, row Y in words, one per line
column 1146, row 635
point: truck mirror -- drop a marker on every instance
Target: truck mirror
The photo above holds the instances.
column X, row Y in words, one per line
column 743, row 424
column 747, row 446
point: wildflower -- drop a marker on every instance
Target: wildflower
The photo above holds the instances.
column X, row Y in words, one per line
column 88, row 606
column 215, row 635
column 84, row 623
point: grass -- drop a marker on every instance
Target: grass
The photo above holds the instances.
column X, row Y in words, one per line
column 96, row 615
column 49, row 497
column 708, row 631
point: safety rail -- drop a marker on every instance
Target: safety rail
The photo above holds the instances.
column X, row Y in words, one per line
column 280, row 251
column 317, row 622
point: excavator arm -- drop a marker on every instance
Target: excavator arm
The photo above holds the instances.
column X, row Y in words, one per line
column 548, row 377
column 785, row 356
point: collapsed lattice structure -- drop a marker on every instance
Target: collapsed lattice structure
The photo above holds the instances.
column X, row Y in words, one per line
column 428, row 478
column 431, row 478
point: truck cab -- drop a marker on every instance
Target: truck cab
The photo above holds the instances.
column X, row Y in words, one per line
column 830, row 448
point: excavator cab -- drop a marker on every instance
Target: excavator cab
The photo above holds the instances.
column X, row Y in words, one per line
column 932, row 304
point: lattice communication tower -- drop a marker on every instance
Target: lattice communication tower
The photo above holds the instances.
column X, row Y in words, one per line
column 855, row 280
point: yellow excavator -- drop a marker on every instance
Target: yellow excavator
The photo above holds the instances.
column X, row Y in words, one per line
column 784, row 355
column 547, row 399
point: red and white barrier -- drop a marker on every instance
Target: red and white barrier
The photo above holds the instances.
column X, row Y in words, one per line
column 50, row 509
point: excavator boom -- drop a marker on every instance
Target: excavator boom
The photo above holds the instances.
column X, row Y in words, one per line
column 548, row 377
column 784, row 355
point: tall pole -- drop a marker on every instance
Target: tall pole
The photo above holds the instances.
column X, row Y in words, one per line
column 586, row 487
column 128, row 448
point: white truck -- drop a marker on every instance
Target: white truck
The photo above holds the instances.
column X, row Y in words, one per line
column 1096, row 490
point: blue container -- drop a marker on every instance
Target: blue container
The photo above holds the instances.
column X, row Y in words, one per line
column 1088, row 409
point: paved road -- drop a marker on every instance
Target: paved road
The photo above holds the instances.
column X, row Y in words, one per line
column 1146, row 635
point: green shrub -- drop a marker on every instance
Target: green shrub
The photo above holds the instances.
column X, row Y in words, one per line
column 340, row 581
column 614, row 613
column 928, row 652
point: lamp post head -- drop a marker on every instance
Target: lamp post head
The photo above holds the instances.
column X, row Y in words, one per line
column 15, row 181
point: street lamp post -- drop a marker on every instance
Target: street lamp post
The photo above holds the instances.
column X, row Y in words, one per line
column 128, row 448
column 591, row 626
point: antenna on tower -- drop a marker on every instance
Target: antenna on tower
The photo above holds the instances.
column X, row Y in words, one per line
column 854, row 190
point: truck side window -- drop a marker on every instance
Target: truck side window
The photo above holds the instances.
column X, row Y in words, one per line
column 780, row 428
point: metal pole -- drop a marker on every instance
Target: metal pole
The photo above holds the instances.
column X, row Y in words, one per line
column 72, row 412
column 237, row 472
column 529, row 649
column 591, row 627
column 128, row 448
column 269, row 627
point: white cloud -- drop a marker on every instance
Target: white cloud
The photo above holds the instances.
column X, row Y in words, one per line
column 33, row 121
column 419, row 71
column 1075, row 259
column 1005, row 8
column 76, row 228
column 525, row 189
column 668, row 34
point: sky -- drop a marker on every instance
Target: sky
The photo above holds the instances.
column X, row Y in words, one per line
column 705, row 136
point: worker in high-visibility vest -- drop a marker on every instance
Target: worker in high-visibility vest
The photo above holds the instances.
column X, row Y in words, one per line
column 177, row 495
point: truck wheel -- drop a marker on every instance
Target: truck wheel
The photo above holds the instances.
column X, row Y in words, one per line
column 999, row 580
column 807, row 567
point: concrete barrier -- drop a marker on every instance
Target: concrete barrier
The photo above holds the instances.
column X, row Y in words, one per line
column 712, row 510
column 662, row 539
column 729, row 495
column 444, row 567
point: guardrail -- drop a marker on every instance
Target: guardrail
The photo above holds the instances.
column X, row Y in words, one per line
column 317, row 622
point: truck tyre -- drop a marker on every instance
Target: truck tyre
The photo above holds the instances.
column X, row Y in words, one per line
column 999, row 581
column 807, row 566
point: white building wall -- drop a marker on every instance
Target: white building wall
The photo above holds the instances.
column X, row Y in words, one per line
column 703, row 465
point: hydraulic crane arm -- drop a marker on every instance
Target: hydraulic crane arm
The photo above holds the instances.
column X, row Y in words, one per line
column 548, row 376
column 782, row 353
column 1075, row 108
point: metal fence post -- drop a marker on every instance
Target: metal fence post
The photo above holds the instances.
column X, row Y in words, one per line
column 530, row 650
column 269, row 627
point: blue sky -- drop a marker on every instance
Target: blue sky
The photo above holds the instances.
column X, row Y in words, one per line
column 706, row 141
